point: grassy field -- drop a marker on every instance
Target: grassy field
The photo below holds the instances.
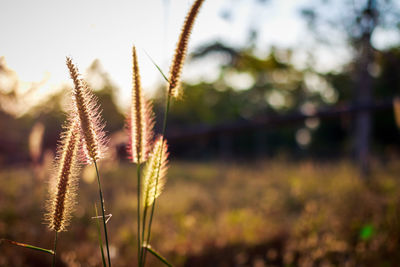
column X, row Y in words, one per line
column 269, row 213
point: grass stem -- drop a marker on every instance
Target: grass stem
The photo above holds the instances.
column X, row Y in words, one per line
column 142, row 252
column 138, row 214
column 155, row 191
column 102, row 211
column 99, row 235
column 54, row 250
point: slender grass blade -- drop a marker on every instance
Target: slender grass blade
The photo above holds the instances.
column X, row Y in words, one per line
column 26, row 246
column 157, row 255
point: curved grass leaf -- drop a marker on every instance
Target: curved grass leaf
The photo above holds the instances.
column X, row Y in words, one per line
column 159, row 69
column 26, row 246
column 157, row 255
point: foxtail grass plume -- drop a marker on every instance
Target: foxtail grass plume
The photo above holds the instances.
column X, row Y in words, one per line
column 89, row 115
column 181, row 50
column 155, row 172
column 62, row 186
column 140, row 122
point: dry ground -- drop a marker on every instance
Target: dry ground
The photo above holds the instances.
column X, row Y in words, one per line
column 269, row 213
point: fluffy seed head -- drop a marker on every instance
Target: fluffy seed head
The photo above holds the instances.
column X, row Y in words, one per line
column 63, row 183
column 89, row 115
column 155, row 171
column 181, row 50
column 140, row 122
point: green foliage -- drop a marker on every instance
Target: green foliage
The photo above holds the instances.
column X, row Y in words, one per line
column 366, row 232
column 14, row 141
column 271, row 85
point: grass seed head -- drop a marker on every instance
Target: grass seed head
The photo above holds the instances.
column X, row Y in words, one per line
column 89, row 115
column 155, row 172
column 140, row 122
column 63, row 184
column 181, row 50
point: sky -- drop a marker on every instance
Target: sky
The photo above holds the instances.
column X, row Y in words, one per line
column 36, row 36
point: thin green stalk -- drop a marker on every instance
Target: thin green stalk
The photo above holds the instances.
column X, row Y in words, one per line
column 142, row 252
column 138, row 212
column 158, row 172
column 99, row 235
column 149, row 230
column 102, row 211
column 157, row 255
column 158, row 67
column 55, row 248
column 26, row 246
column 166, row 116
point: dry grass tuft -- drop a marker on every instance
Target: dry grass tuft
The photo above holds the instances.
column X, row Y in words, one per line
column 140, row 122
column 89, row 116
column 62, row 187
column 181, row 50
column 155, row 172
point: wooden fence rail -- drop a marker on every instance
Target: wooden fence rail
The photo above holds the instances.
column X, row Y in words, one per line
column 268, row 121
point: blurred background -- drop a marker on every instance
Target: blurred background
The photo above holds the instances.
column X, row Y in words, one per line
column 284, row 150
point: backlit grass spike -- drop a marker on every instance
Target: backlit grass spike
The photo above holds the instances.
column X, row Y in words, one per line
column 89, row 115
column 155, row 172
column 181, row 50
column 140, row 122
column 63, row 184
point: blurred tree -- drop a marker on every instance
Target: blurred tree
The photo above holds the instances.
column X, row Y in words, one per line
column 249, row 87
column 106, row 93
column 13, row 103
column 17, row 118
column 356, row 22
column 15, row 96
